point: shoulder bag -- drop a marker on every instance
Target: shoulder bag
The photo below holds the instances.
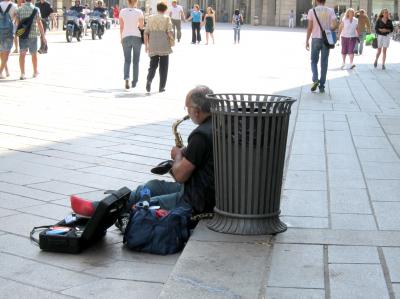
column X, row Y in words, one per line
column 327, row 35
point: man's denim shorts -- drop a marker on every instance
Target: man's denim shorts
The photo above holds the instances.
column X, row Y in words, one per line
column 6, row 45
column 28, row 43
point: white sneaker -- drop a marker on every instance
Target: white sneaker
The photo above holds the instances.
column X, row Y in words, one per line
column 2, row 77
column 343, row 66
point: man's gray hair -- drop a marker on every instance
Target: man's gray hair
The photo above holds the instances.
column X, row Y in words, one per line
column 198, row 97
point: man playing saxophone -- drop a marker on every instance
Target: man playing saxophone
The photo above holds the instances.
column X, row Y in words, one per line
column 192, row 168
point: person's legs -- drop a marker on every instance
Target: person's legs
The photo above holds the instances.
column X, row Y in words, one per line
column 33, row 50
column 162, row 193
column 198, row 35
column 23, row 47
column 127, row 48
column 16, row 44
column 152, row 71
column 193, row 33
column 173, row 27
column 316, row 44
column 137, row 46
column 351, row 56
column 34, row 64
column 207, row 34
column 212, row 37
column 178, row 29
column 164, row 60
column 3, row 64
column 343, row 60
column 238, row 35
column 361, row 43
column 5, row 48
column 378, row 53
column 383, row 56
column 234, row 35
column 324, row 66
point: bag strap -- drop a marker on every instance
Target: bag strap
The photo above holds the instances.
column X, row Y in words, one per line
column 36, row 228
column 8, row 8
column 315, row 13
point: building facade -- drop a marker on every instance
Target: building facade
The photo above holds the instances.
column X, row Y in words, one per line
column 255, row 12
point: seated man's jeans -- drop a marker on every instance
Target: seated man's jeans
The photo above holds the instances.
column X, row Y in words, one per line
column 167, row 195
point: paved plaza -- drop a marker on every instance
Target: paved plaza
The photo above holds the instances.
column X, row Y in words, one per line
column 75, row 130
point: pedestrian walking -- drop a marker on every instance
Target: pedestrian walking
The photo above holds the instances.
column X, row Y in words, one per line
column 348, row 33
column 237, row 21
column 30, row 43
column 291, row 19
column 196, row 17
column 383, row 27
column 364, row 28
column 131, row 19
column 16, row 41
column 177, row 15
column 327, row 19
column 210, row 24
column 116, row 12
column 158, row 40
column 45, row 11
column 7, row 17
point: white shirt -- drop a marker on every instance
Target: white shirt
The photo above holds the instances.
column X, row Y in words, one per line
column 349, row 28
column 131, row 17
column 176, row 12
column 13, row 9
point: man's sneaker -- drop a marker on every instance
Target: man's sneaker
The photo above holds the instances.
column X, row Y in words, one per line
column 321, row 89
column 314, row 86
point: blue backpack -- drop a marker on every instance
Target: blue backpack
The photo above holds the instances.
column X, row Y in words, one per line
column 166, row 235
column 6, row 24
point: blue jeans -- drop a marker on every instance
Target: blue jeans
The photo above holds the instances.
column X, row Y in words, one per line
column 236, row 34
column 167, row 195
column 360, row 44
column 129, row 44
column 317, row 47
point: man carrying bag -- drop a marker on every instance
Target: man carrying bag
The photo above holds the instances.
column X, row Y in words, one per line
column 29, row 27
column 326, row 21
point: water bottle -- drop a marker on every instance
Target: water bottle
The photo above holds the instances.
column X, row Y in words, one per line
column 145, row 196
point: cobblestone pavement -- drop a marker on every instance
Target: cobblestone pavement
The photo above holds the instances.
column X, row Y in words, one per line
column 75, row 130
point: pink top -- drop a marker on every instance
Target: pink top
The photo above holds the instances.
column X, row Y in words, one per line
column 326, row 16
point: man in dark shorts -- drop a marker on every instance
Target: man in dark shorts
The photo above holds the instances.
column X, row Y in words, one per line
column 193, row 167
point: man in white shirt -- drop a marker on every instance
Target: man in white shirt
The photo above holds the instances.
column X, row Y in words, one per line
column 327, row 18
column 176, row 14
column 7, row 17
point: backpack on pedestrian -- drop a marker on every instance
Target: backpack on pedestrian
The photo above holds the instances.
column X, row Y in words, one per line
column 24, row 26
column 6, row 24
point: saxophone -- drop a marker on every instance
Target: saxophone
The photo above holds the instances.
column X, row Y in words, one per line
column 178, row 137
column 166, row 166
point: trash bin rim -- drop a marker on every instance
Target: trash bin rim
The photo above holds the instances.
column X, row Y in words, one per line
column 286, row 99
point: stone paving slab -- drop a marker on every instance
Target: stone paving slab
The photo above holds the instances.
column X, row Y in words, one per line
column 294, row 293
column 218, row 270
column 297, row 266
column 115, row 288
column 12, row 289
column 357, row 281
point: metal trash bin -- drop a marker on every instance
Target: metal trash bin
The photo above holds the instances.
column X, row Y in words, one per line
column 249, row 136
